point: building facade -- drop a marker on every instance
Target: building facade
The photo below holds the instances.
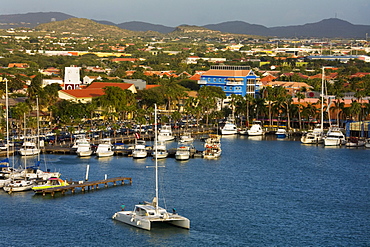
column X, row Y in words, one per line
column 72, row 79
column 238, row 80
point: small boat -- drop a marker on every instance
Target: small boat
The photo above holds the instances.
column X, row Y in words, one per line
column 334, row 137
column 139, row 150
column 256, row 129
column 146, row 214
column 229, row 129
column 50, row 183
column 355, row 142
column 243, row 131
column 161, row 151
column 19, row 185
column 84, row 148
column 105, row 148
column 281, row 133
column 367, row 143
column 165, row 133
column 183, row 151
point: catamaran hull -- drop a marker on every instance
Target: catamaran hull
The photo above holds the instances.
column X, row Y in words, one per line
column 145, row 222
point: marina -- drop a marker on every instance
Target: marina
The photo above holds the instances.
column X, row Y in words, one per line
column 285, row 194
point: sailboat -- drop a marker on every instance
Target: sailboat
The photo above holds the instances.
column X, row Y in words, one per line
column 145, row 215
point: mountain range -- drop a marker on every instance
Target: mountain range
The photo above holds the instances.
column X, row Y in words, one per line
column 327, row 28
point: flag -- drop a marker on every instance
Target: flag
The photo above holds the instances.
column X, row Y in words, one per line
column 137, row 135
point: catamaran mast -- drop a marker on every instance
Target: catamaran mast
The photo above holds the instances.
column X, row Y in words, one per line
column 156, row 156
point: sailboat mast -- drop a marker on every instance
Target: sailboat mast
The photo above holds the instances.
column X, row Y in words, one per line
column 322, row 98
column 38, row 125
column 156, row 155
column 7, row 118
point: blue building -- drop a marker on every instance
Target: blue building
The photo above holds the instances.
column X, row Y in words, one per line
column 239, row 80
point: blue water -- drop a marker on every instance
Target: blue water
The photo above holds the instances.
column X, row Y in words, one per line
column 258, row 193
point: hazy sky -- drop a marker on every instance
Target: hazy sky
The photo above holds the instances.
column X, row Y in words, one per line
column 270, row 13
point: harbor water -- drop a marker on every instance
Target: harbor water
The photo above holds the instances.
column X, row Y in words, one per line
column 260, row 192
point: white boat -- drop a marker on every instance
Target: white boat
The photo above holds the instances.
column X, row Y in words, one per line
column 19, row 185
column 165, row 133
column 145, row 215
column 78, row 139
column 355, row 142
column 334, row 137
column 186, row 137
column 29, row 147
column 212, row 147
column 281, row 133
column 84, row 148
column 314, row 136
column 243, row 131
column 183, row 151
column 229, row 129
column 139, row 150
column 367, row 143
column 256, row 129
column 161, row 151
column 105, row 148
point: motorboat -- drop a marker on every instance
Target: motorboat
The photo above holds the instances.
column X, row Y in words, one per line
column 281, row 133
column 165, row 133
column 334, row 137
column 186, row 137
column 50, row 183
column 183, row 151
column 367, row 143
column 314, row 136
column 139, row 150
column 243, row 131
column 78, row 139
column 229, row 129
column 146, row 214
column 84, row 148
column 29, row 147
column 105, row 148
column 212, row 147
column 355, row 142
column 160, row 151
column 256, row 129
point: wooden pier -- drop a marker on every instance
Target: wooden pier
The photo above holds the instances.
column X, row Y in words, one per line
column 86, row 185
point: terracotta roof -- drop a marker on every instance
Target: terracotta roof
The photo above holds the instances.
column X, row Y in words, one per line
column 195, row 77
column 85, row 93
column 151, row 86
column 102, row 85
column 216, row 72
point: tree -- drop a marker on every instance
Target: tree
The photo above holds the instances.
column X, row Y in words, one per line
column 208, row 98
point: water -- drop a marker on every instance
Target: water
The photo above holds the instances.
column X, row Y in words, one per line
column 259, row 193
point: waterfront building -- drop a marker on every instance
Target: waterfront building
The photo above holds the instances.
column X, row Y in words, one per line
column 239, row 80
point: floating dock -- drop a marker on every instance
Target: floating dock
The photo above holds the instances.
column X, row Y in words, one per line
column 86, row 185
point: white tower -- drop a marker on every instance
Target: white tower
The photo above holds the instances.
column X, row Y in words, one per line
column 72, row 78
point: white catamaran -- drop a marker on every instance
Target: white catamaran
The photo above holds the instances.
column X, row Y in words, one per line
column 146, row 214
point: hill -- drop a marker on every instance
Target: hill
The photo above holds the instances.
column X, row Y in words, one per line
column 84, row 27
column 31, row 20
column 144, row 26
column 328, row 28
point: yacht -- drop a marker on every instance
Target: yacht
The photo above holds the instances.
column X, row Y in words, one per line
column 29, row 147
column 334, row 137
column 183, row 151
column 139, row 150
column 84, row 148
column 165, row 133
column 314, row 136
column 146, row 214
column 186, row 137
column 229, row 129
column 256, row 129
column 19, row 185
column 105, row 148
column 160, row 151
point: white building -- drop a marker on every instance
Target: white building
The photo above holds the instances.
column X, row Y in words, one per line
column 72, row 78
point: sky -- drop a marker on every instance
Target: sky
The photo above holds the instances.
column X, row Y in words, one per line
column 172, row 13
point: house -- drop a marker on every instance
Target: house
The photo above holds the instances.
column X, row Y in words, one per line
column 291, row 87
column 46, row 82
column 239, row 80
column 18, row 65
column 89, row 79
column 72, row 78
column 96, row 89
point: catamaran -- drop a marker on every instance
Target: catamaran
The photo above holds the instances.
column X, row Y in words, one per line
column 146, row 214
